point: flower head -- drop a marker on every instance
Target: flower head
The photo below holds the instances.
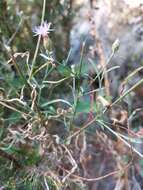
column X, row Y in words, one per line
column 43, row 29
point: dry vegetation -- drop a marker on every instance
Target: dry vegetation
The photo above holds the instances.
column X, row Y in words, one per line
column 69, row 121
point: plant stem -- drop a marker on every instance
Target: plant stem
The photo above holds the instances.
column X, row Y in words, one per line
column 127, row 92
column 38, row 42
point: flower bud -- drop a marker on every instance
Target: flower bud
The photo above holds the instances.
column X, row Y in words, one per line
column 115, row 45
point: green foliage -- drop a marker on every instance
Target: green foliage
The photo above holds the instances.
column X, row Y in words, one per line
column 41, row 95
column 85, row 106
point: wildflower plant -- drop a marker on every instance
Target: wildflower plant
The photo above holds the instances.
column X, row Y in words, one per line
column 41, row 138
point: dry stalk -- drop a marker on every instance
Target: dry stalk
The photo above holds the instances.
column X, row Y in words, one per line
column 81, row 129
column 82, row 153
column 72, row 161
column 116, row 172
column 100, row 52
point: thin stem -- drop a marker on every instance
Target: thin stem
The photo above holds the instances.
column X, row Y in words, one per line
column 81, row 59
column 81, row 129
column 38, row 42
column 13, row 108
column 119, row 137
column 55, row 82
column 127, row 92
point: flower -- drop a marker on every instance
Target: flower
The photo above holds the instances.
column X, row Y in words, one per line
column 43, row 29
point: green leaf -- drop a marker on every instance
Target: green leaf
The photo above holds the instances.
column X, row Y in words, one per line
column 84, row 107
column 14, row 117
column 64, row 70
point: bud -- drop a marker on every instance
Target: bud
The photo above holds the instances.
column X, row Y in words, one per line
column 103, row 101
column 47, row 43
column 115, row 45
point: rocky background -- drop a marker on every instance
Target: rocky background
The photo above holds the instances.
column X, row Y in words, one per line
column 44, row 142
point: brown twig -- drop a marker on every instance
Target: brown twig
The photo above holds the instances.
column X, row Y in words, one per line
column 81, row 129
column 98, row 178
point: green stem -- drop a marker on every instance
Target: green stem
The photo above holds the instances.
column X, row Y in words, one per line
column 127, row 92
column 38, row 42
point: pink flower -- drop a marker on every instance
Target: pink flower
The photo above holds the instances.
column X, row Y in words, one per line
column 43, row 29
